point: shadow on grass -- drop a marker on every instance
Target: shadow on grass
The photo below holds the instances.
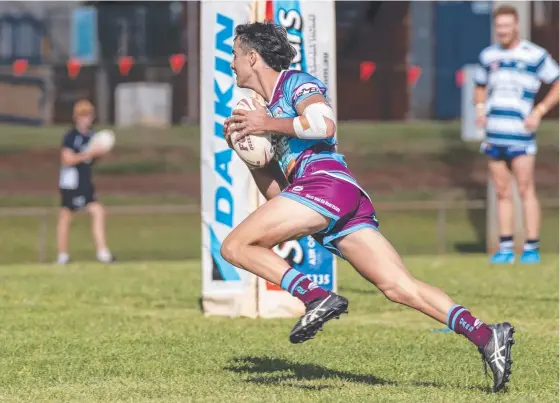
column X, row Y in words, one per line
column 439, row 385
column 277, row 371
column 271, row 371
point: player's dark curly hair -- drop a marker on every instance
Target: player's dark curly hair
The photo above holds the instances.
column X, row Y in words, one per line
column 269, row 40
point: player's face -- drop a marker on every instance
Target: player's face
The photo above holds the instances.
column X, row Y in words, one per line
column 241, row 65
column 506, row 28
column 84, row 121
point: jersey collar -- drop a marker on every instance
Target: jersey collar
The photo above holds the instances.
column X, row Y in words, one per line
column 519, row 44
column 279, row 79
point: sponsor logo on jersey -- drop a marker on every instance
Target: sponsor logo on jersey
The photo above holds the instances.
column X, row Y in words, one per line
column 324, row 202
column 307, row 88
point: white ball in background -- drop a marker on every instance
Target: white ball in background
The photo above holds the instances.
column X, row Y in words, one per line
column 105, row 138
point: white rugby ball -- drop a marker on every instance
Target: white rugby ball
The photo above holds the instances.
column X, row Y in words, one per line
column 105, row 139
column 255, row 151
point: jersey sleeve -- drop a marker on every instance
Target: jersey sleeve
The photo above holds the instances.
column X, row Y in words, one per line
column 302, row 85
column 481, row 72
column 68, row 140
column 548, row 70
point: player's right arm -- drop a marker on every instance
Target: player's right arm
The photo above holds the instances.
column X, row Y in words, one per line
column 480, row 78
column 269, row 179
column 69, row 157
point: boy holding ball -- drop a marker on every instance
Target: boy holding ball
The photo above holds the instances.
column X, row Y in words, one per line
column 75, row 183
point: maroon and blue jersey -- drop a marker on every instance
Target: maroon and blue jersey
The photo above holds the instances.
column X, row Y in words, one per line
column 292, row 88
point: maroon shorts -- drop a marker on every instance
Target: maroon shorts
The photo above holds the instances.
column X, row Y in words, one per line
column 330, row 189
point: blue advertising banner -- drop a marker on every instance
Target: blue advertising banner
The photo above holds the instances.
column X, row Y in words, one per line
column 83, row 39
column 313, row 260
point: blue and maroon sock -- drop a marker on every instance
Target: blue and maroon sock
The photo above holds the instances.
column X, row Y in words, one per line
column 460, row 320
column 301, row 287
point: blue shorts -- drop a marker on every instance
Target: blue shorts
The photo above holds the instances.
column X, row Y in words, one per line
column 507, row 153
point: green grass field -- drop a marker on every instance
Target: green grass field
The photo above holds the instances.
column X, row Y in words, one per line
column 176, row 236
column 133, row 332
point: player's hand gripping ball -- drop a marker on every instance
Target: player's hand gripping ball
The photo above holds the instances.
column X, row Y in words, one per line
column 255, row 150
column 103, row 139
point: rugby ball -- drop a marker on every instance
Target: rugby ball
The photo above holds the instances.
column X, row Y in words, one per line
column 104, row 138
column 255, row 151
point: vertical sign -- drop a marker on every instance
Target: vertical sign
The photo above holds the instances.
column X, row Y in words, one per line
column 226, row 199
column 228, row 191
column 84, row 35
column 311, row 31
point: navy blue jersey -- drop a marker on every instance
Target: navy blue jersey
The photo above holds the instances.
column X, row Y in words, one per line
column 77, row 176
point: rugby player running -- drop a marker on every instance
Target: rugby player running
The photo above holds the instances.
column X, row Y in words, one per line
column 321, row 198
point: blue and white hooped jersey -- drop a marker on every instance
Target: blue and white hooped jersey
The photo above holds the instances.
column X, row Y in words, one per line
column 513, row 78
column 293, row 87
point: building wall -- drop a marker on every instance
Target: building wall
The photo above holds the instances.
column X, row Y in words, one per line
column 377, row 32
column 439, row 37
column 462, row 30
column 55, row 19
column 421, row 54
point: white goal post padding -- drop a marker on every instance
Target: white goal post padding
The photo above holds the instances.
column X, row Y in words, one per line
column 228, row 190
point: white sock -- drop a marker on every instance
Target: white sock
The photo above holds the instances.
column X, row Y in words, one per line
column 104, row 255
column 63, row 258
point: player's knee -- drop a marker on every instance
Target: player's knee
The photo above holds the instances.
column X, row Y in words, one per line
column 401, row 292
column 101, row 211
column 230, row 250
column 526, row 190
column 65, row 215
column 503, row 192
column 96, row 210
column 396, row 294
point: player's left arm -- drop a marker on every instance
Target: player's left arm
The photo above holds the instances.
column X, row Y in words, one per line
column 548, row 74
column 315, row 120
column 550, row 100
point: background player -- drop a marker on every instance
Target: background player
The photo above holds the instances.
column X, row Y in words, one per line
column 76, row 186
column 323, row 199
column 508, row 78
